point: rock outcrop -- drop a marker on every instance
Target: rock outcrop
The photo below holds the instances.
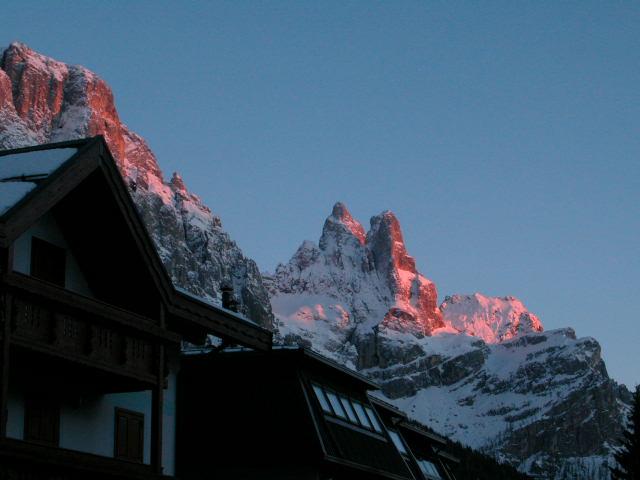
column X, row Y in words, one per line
column 353, row 289
column 493, row 319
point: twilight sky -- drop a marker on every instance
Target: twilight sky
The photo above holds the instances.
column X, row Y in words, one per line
column 504, row 135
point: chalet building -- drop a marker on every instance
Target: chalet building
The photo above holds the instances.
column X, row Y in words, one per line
column 424, row 451
column 90, row 324
column 290, row 414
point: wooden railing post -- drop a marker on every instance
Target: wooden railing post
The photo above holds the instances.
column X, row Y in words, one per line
column 157, row 404
column 5, row 325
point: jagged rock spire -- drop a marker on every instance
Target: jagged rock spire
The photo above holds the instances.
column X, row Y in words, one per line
column 371, row 275
column 341, row 227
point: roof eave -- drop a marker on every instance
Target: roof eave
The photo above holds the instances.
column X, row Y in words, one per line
column 215, row 321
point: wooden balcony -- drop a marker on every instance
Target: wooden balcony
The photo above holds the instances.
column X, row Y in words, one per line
column 26, row 461
column 53, row 321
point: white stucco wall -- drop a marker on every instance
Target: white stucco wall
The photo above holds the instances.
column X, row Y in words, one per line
column 169, row 423
column 47, row 229
column 89, row 426
column 15, row 417
column 88, row 423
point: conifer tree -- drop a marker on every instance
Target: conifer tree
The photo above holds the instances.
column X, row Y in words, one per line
column 628, row 454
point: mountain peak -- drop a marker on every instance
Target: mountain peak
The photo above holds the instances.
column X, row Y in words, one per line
column 19, row 47
column 494, row 319
column 177, row 183
column 387, row 243
column 341, row 213
column 340, row 228
column 340, row 210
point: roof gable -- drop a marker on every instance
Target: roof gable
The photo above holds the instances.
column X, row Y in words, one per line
column 80, row 182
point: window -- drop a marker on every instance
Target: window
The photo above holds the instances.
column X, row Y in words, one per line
column 47, row 261
column 322, row 399
column 336, row 405
column 397, row 441
column 374, row 419
column 41, row 421
column 129, row 435
column 362, row 416
column 349, row 409
column 429, row 469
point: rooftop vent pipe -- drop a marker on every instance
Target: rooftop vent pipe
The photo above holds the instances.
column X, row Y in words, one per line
column 228, row 299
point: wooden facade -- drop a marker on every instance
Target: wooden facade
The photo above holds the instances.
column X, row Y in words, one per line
column 81, row 351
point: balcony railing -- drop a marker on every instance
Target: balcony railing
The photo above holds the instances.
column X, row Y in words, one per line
column 58, row 322
column 25, row 461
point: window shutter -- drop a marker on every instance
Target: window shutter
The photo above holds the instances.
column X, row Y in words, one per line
column 41, row 421
column 48, row 261
column 129, row 435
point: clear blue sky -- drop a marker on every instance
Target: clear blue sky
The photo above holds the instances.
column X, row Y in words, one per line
column 504, row 135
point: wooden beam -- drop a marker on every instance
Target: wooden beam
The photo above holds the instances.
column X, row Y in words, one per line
column 6, row 265
column 5, row 325
column 220, row 323
column 157, row 404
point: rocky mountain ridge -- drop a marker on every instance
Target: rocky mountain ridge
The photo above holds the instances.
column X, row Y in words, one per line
column 43, row 100
column 478, row 369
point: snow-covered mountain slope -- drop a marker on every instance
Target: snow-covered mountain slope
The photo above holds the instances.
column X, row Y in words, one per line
column 541, row 401
column 478, row 369
column 43, row 100
column 353, row 282
column 492, row 319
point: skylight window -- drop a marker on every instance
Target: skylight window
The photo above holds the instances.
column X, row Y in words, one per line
column 374, row 420
column 362, row 415
column 322, row 399
column 397, row 441
column 346, row 403
column 429, row 469
column 337, row 406
column 345, row 408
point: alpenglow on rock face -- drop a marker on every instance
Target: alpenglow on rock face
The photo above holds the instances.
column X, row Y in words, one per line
column 353, row 288
column 478, row 369
column 43, row 100
column 492, row 319
column 357, row 289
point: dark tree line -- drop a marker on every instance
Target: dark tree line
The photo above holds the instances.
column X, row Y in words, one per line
column 628, row 454
column 476, row 466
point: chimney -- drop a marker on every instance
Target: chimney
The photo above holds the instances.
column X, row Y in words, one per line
column 228, row 299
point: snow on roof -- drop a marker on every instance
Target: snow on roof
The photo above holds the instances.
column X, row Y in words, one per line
column 12, row 192
column 20, row 172
column 211, row 303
